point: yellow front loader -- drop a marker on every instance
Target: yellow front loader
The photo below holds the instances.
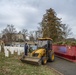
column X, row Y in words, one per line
column 42, row 54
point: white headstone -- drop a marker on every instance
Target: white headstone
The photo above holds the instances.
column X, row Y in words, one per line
column 12, row 51
column 18, row 52
column 6, row 53
column 22, row 49
column 15, row 49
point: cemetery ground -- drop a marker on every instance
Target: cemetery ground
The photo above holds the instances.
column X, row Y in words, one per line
column 13, row 66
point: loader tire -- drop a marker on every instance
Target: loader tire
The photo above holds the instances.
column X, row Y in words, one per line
column 44, row 60
column 51, row 57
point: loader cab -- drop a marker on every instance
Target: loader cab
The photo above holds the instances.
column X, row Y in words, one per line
column 45, row 43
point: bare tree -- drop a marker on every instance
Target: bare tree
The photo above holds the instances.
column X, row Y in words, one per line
column 9, row 31
column 38, row 33
column 31, row 36
column 66, row 31
column 25, row 33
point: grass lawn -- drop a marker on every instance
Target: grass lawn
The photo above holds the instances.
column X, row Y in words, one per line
column 13, row 66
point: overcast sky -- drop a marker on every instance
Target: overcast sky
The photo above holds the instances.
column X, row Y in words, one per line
column 28, row 13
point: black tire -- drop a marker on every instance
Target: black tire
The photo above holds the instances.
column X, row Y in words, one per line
column 44, row 60
column 51, row 57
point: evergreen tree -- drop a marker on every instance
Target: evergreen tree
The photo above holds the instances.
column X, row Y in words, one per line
column 51, row 25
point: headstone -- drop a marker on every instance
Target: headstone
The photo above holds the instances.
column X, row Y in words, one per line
column 18, row 52
column 15, row 49
column 6, row 53
column 12, row 50
column 22, row 49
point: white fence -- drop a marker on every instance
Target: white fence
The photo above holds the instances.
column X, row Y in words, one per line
column 9, row 49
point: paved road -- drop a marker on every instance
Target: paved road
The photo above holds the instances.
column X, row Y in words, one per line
column 63, row 66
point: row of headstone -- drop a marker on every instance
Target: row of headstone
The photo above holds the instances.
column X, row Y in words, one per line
column 12, row 50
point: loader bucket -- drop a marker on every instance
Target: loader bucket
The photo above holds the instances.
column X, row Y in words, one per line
column 31, row 60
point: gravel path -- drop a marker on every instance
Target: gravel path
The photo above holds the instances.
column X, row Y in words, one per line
column 63, row 66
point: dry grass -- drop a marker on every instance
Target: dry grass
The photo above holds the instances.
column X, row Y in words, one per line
column 13, row 66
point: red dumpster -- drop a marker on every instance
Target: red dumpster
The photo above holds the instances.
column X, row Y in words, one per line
column 64, row 51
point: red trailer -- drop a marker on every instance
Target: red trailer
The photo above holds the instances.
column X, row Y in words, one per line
column 64, row 51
